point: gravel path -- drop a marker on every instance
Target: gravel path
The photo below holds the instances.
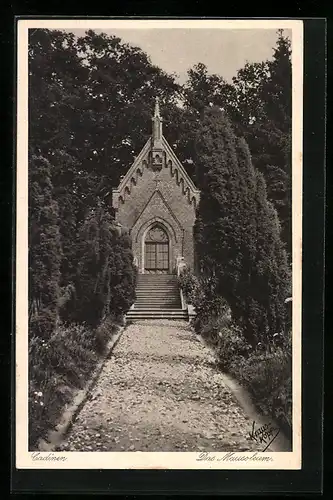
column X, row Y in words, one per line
column 160, row 391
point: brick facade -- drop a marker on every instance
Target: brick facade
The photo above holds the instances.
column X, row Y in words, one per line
column 157, row 191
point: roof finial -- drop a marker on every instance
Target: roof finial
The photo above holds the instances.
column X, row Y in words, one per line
column 157, row 107
column 157, row 125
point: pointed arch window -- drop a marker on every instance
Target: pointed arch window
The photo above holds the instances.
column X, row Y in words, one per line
column 157, row 250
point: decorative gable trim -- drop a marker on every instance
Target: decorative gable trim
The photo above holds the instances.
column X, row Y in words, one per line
column 172, row 156
column 136, row 165
column 177, row 171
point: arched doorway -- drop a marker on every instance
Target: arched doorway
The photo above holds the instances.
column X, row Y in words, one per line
column 157, row 250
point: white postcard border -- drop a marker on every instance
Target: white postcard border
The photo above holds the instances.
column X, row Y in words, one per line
column 151, row 460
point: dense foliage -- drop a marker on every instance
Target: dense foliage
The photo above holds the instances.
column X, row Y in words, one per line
column 59, row 367
column 258, row 103
column 243, row 277
column 77, row 256
column 237, row 232
column 87, row 121
column 92, row 119
column 105, row 280
column 264, row 118
column 44, row 249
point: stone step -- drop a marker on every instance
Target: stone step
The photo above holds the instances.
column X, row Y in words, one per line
column 157, row 293
column 147, row 308
column 149, row 303
column 157, row 283
column 156, row 276
column 161, row 282
column 162, row 298
column 152, row 280
column 158, row 296
column 156, row 289
column 151, row 307
column 157, row 299
column 157, row 316
column 161, row 278
column 150, row 285
column 138, row 315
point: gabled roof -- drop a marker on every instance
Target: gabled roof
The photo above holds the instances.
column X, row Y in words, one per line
column 141, row 162
column 157, row 142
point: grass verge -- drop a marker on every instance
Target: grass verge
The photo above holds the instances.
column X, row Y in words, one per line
column 58, row 367
column 265, row 371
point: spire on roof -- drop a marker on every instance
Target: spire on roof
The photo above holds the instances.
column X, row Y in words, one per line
column 157, row 107
column 157, row 125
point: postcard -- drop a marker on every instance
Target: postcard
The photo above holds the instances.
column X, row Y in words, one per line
column 158, row 244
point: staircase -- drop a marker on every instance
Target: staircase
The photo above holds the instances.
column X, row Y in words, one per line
column 157, row 297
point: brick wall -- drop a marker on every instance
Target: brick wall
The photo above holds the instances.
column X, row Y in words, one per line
column 141, row 201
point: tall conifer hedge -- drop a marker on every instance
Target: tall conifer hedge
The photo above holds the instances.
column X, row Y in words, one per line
column 44, row 249
column 106, row 276
column 237, row 233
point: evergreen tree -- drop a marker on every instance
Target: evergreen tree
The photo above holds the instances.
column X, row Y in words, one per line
column 122, row 275
column 105, row 281
column 258, row 103
column 237, row 231
column 261, row 112
column 277, row 94
column 199, row 91
column 89, row 119
column 202, row 89
column 86, row 306
column 44, row 249
column 271, row 277
column 247, row 222
column 218, row 230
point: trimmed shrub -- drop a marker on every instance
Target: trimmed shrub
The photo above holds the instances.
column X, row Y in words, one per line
column 44, row 249
column 106, row 276
column 237, row 232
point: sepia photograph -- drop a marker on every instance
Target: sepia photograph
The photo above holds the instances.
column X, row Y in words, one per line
column 159, row 182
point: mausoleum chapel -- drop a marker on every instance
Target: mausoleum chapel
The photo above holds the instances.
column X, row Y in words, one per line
column 156, row 200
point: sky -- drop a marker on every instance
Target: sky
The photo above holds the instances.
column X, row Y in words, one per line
column 223, row 51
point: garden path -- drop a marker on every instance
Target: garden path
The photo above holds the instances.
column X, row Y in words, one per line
column 161, row 391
